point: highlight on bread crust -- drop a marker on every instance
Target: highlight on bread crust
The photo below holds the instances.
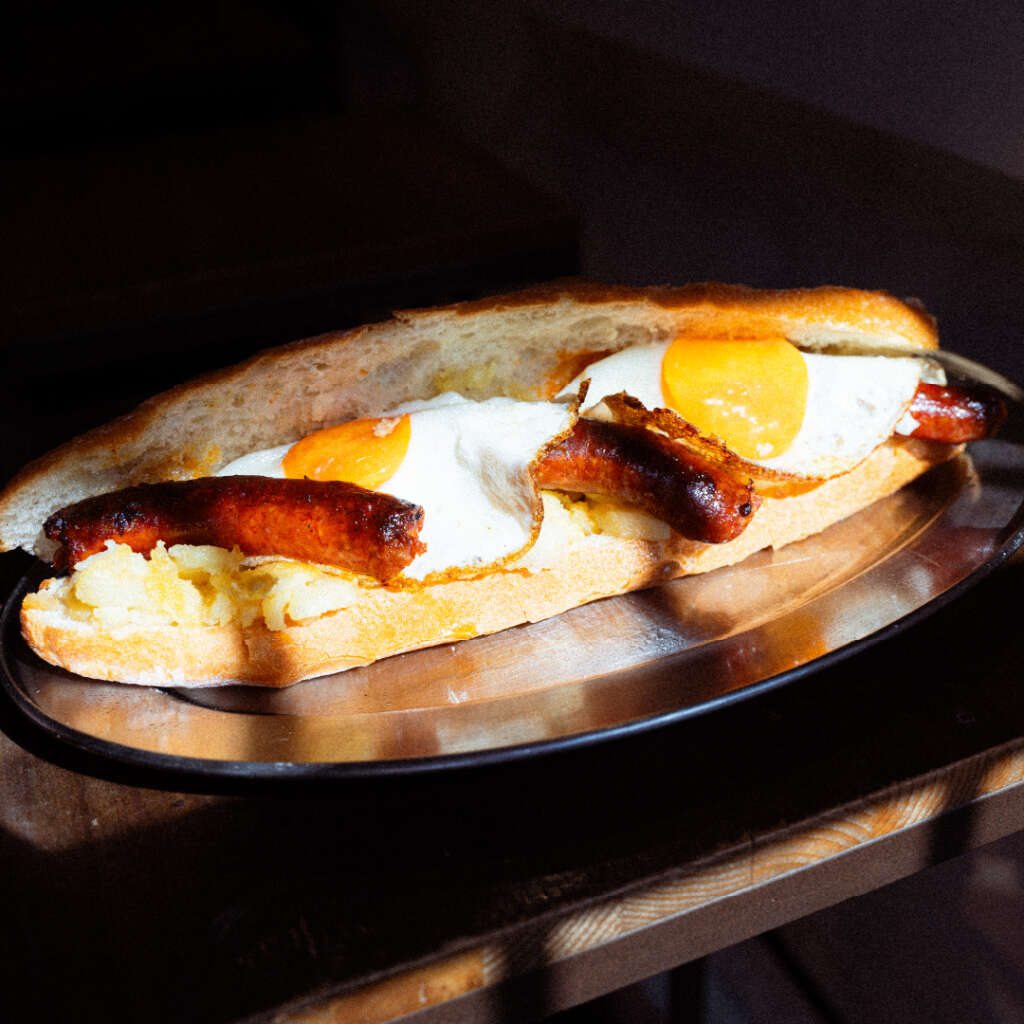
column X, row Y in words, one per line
column 196, row 615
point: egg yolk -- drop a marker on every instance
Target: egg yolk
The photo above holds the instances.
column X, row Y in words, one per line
column 364, row 452
column 751, row 394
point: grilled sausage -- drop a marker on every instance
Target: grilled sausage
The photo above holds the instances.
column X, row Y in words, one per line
column 333, row 523
column 956, row 415
column 696, row 497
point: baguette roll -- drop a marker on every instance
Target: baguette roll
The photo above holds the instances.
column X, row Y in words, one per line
column 201, row 616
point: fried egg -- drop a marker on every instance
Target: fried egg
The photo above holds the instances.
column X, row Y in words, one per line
column 466, row 463
column 789, row 412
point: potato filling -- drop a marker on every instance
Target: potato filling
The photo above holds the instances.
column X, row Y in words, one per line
column 193, row 585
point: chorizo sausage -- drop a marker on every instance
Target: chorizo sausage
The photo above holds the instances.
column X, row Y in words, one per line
column 693, row 495
column 956, row 414
column 329, row 522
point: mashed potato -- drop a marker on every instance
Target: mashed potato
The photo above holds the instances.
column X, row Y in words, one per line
column 191, row 585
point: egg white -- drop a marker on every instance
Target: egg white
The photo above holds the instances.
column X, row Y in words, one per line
column 854, row 403
column 636, row 371
column 468, row 466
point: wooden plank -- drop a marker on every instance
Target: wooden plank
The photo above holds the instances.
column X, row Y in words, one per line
column 551, row 956
column 408, row 993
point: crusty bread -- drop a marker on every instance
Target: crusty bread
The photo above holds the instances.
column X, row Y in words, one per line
column 525, row 345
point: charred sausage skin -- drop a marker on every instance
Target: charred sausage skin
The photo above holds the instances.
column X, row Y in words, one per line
column 954, row 414
column 331, row 522
column 697, row 498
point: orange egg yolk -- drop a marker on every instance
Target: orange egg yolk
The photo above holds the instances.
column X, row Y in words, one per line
column 364, row 452
column 751, row 394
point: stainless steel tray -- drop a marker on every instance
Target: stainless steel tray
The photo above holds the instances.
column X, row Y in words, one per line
column 616, row 666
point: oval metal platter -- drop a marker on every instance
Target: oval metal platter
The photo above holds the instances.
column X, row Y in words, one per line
column 621, row 665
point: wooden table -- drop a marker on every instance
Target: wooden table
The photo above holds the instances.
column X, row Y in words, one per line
column 511, row 891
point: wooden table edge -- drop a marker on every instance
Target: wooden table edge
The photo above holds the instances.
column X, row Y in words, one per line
column 762, row 882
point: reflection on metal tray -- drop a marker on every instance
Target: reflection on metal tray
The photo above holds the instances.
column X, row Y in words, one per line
column 626, row 663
